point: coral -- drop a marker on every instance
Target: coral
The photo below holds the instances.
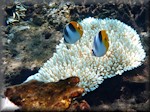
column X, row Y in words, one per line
column 125, row 53
column 24, row 50
column 15, row 13
column 59, row 14
column 41, row 96
column 79, row 106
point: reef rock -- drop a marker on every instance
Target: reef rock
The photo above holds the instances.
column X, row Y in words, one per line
column 35, row 95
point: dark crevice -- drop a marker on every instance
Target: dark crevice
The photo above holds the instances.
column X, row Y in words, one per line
column 23, row 75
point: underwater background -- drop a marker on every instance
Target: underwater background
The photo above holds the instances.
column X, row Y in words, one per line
column 30, row 39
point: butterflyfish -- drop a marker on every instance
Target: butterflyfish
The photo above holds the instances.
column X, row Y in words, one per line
column 100, row 44
column 72, row 32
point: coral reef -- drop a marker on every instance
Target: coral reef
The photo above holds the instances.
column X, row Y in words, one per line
column 125, row 53
column 41, row 96
column 22, row 57
column 46, row 30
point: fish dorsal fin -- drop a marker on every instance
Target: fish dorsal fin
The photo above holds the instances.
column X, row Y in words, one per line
column 104, row 35
column 77, row 27
column 65, row 32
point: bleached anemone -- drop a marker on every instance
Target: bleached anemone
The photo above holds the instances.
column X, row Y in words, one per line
column 125, row 53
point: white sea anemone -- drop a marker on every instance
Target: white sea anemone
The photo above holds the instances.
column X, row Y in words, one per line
column 125, row 53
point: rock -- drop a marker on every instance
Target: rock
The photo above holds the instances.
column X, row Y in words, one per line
column 79, row 106
column 15, row 12
column 41, row 96
column 38, row 20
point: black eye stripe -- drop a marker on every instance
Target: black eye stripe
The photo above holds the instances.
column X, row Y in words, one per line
column 100, row 36
column 71, row 27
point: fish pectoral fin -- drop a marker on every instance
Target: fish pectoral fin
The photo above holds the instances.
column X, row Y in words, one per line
column 92, row 53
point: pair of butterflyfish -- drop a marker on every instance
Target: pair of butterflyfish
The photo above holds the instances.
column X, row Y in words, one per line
column 73, row 32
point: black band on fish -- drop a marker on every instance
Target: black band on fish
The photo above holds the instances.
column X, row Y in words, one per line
column 65, row 32
column 71, row 27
